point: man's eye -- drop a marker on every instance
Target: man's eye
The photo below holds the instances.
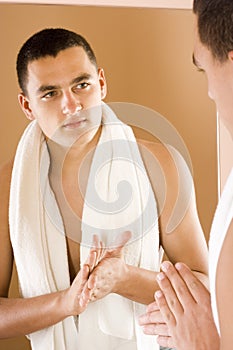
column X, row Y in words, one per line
column 49, row 95
column 83, row 85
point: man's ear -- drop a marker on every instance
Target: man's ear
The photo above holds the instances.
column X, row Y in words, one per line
column 230, row 56
column 103, row 83
column 25, row 105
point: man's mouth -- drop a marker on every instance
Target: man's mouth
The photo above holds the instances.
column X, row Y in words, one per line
column 75, row 123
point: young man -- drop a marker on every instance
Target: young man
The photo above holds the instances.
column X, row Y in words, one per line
column 68, row 189
column 184, row 302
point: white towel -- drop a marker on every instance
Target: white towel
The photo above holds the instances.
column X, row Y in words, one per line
column 110, row 323
column 222, row 220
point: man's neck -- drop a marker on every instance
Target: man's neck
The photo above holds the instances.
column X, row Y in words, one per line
column 76, row 152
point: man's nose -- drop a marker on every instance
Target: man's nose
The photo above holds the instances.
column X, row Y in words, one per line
column 70, row 104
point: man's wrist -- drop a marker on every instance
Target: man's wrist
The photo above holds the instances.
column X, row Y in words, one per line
column 122, row 280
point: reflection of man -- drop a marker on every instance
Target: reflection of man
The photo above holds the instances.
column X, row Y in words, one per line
column 71, row 132
column 185, row 303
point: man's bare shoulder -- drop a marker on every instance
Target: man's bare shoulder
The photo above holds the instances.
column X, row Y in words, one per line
column 157, row 152
column 149, row 142
column 155, row 147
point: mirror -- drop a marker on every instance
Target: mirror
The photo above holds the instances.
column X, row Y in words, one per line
column 147, row 57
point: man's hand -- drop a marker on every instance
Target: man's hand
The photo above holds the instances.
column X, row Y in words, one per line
column 184, row 304
column 108, row 268
column 153, row 322
column 77, row 297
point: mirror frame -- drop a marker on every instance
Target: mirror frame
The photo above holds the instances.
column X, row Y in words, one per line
column 175, row 4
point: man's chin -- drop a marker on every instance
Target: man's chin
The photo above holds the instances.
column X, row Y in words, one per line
column 70, row 135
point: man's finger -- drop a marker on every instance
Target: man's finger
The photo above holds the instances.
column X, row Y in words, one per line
column 151, row 317
column 194, row 285
column 166, row 312
column 156, row 329
column 169, row 294
column 120, row 242
column 152, row 307
column 180, row 289
column 166, row 342
column 91, row 260
column 123, row 238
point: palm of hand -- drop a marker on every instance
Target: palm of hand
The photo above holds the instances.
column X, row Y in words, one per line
column 108, row 268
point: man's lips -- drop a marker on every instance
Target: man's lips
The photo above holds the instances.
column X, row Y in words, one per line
column 72, row 124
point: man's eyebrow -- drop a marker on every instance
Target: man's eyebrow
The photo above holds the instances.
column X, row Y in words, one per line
column 44, row 88
column 81, row 77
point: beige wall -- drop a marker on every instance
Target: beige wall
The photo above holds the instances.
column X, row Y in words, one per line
column 146, row 54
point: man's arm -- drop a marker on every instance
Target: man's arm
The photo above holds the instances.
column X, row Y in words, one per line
column 22, row 316
column 185, row 242
column 181, row 233
column 181, row 316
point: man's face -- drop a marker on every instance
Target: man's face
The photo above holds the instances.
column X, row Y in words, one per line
column 64, row 93
column 219, row 77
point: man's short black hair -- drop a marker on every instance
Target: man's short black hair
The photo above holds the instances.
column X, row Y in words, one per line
column 215, row 26
column 48, row 42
